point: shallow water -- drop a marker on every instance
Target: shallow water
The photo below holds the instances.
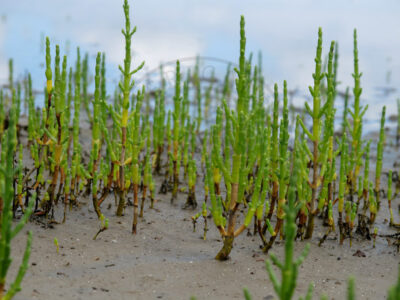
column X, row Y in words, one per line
column 284, row 32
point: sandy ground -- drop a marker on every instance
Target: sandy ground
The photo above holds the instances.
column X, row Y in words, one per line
column 166, row 260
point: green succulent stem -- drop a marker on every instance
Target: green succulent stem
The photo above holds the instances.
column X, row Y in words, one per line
column 177, row 152
column 316, row 113
column 125, row 86
column 379, row 158
column 7, row 195
column 289, row 267
column 96, row 135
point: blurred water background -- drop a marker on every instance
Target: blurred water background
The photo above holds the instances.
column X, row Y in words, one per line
column 284, row 31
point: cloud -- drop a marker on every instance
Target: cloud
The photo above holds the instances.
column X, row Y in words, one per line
column 285, row 31
column 153, row 49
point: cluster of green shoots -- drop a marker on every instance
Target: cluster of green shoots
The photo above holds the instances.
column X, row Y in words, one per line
column 285, row 288
column 8, row 172
column 250, row 156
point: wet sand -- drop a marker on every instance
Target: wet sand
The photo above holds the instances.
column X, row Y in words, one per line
column 166, row 260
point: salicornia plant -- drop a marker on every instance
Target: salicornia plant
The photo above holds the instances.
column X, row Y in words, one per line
column 289, row 268
column 379, row 158
column 96, row 135
column 281, row 178
column 355, row 129
column 316, row 113
column 125, row 86
column 240, row 128
column 59, row 143
column 7, row 195
column 176, row 152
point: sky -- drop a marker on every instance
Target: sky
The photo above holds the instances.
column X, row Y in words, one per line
column 284, row 31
